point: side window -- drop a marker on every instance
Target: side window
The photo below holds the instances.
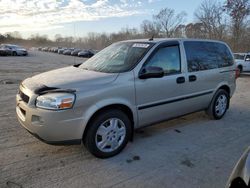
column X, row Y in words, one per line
column 225, row 58
column 206, row 55
column 247, row 58
column 168, row 58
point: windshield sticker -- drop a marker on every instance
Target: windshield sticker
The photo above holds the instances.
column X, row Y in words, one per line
column 140, row 45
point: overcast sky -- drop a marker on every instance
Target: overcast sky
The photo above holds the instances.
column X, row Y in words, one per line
column 78, row 17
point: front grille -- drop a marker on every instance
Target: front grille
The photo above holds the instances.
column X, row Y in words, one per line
column 24, row 97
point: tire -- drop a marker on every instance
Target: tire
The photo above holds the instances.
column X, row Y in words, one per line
column 219, row 104
column 240, row 68
column 14, row 53
column 103, row 140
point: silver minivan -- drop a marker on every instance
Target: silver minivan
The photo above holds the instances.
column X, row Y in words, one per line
column 128, row 85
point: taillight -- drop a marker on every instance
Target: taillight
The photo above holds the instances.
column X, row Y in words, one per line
column 237, row 73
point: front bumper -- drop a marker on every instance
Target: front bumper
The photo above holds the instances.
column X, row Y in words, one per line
column 52, row 127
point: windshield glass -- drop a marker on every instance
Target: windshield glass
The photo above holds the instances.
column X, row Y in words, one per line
column 118, row 57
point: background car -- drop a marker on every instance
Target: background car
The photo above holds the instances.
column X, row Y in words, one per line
column 241, row 173
column 242, row 61
column 16, row 50
column 86, row 53
column 61, row 50
column 68, row 51
column 75, row 52
column 5, row 51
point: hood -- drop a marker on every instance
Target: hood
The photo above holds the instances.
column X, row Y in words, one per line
column 69, row 78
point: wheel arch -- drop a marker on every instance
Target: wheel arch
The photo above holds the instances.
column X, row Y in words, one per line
column 124, row 108
column 240, row 66
column 226, row 88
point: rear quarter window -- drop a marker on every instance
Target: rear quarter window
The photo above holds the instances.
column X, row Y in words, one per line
column 207, row 55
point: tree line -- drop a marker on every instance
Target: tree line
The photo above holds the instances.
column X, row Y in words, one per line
column 228, row 21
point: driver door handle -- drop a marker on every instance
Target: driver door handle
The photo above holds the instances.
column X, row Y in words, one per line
column 180, row 80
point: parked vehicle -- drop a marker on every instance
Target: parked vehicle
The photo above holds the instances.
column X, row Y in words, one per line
column 4, row 51
column 240, row 177
column 45, row 49
column 75, row 52
column 68, row 51
column 242, row 61
column 128, row 85
column 61, row 50
column 86, row 53
column 16, row 50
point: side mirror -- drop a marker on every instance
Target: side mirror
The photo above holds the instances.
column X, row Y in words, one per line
column 151, row 72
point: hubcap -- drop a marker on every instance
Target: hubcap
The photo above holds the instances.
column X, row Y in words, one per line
column 110, row 135
column 221, row 105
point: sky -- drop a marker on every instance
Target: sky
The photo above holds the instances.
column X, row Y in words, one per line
column 79, row 17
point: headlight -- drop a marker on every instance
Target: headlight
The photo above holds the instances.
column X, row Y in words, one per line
column 55, row 101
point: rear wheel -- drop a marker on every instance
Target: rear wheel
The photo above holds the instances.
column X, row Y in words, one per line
column 240, row 68
column 219, row 104
column 108, row 133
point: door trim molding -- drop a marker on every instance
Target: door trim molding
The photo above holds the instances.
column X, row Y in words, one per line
column 173, row 100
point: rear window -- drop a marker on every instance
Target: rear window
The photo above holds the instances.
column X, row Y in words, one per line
column 207, row 55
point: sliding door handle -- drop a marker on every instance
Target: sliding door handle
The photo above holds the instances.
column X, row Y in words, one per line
column 192, row 78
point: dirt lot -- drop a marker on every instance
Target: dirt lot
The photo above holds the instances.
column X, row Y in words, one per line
column 191, row 152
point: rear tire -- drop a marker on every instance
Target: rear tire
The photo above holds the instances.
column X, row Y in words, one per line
column 240, row 68
column 108, row 133
column 218, row 105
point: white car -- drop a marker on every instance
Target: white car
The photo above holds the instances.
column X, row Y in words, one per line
column 242, row 61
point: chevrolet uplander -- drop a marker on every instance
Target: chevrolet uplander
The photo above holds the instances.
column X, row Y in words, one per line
column 127, row 85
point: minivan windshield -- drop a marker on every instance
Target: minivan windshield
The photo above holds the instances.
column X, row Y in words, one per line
column 118, row 57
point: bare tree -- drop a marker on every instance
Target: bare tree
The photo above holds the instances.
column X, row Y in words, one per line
column 210, row 14
column 150, row 29
column 238, row 10
column 168, row 21
column 195, row 30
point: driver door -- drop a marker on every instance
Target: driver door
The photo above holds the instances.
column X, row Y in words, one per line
column 157, row 98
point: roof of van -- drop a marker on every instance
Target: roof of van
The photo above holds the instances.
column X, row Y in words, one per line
column 157, row 40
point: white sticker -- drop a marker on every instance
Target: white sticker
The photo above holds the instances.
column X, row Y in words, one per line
column 140, row 45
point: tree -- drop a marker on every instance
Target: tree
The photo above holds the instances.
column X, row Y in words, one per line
column 168, row 22
column 150, row 29
column 238, row 10
column 210, row 14
column 195, row 30
column 58, row 38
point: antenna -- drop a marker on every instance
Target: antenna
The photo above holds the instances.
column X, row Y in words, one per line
column 152, row 38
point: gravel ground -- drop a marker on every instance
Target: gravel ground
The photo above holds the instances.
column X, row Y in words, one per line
column 192, row 151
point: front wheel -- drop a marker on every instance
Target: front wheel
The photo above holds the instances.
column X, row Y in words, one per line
column 108, row 133
column 219, row 104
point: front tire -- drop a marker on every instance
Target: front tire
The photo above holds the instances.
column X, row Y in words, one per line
column 219, row 104
column 108, row 133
